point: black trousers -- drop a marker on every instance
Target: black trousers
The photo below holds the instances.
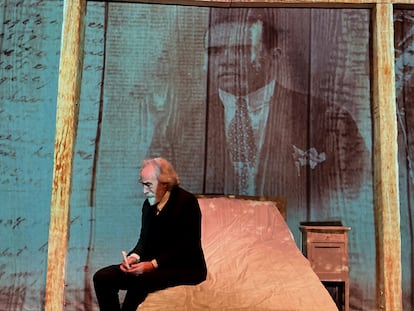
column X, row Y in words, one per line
column 110, row 280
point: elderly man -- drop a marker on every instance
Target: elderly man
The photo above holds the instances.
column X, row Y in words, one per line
column 168, row 252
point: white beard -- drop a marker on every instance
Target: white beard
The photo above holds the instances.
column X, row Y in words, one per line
column 151, row 200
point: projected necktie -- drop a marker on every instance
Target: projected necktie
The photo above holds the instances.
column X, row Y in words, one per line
column 241, row 142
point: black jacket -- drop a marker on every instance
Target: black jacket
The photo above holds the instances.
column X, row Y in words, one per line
column 173, row 237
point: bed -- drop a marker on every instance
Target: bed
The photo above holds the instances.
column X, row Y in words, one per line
column 253, row 263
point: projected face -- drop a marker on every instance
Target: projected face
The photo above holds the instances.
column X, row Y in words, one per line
column 240, row 57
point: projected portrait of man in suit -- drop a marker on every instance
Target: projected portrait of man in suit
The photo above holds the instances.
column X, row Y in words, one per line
column 263, row 137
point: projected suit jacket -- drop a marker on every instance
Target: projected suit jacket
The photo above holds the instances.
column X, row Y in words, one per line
column 312, row 148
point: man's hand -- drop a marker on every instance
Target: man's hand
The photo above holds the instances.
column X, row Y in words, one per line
column 138, row 268
column 126, row 266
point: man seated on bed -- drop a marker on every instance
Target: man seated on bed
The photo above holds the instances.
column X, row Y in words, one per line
column 168, row 251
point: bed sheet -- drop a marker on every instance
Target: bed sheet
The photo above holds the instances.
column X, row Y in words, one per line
column 253, row 264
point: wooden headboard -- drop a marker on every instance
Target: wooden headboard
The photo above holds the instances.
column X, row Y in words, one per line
column 279, row 201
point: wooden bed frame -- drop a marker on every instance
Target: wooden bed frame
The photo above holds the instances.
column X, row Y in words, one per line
column 279, row 200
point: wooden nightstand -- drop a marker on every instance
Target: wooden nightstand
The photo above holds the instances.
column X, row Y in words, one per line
column 326, row 248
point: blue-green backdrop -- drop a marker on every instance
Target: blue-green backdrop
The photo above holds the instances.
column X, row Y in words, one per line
column 142, row 64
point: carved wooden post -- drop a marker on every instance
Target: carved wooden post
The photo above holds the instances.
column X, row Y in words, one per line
column 387, row 215
column 70, row 75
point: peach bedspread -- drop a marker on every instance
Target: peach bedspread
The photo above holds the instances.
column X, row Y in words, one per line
column 253, row 264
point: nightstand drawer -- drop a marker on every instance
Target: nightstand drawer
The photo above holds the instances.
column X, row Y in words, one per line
column 328, row 258
column 326, row 236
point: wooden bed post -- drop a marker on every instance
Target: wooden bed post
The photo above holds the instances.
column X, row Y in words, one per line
column 70, row 76
column 386, row 198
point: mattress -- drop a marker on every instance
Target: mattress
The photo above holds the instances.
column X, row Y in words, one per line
column 253, row 264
